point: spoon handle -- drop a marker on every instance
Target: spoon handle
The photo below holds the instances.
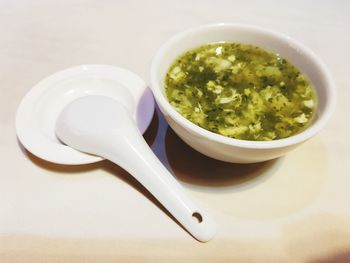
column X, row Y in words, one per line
column 128, row 149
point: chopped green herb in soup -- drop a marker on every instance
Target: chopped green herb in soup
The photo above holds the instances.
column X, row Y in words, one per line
column 240, row 91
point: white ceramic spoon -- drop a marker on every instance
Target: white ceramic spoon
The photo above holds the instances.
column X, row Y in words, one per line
column 102, row 126
column 128, row 95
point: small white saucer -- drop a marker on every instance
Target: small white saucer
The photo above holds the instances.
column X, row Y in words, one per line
column 39, row 109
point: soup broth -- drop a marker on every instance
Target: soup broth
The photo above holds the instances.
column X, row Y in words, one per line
column 241, row 91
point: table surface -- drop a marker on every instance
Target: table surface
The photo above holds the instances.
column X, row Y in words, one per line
column 294, row 209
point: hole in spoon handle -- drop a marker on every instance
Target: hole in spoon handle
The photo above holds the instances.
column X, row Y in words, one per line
column 197, row 217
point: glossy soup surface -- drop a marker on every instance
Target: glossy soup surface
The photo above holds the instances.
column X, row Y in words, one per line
column 240, row 91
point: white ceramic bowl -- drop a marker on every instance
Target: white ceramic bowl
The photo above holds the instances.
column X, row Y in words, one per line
column 225, row 148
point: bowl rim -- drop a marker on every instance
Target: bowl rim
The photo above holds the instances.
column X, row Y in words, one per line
column 292, row 140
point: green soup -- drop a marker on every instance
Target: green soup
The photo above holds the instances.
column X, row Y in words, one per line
column 240, row 91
